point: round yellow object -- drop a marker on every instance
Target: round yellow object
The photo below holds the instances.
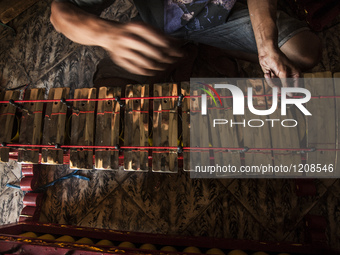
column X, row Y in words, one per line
column 127, row 245
column 192, row 249
column 215, row 251
column 260, row 253
column 29, row 234
column 168, row 248
column 66, row 239
column 47, row 237
column 105, row 242
column 148, row 246
column 85, row 240
column 237, row 252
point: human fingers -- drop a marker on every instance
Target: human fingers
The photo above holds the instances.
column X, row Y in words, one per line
column 133, row 43
column 148, row 33
column 143, row 61
column 269, row 79
column 295, row 77
column 132, row 67
column 290, row 77
column 284, row 81
column 153, row 36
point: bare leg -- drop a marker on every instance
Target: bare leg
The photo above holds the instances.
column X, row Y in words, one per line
column 303, row 49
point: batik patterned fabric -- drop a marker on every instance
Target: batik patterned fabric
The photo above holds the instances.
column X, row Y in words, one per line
column 193, row 15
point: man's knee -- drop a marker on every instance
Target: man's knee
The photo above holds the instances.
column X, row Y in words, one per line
column 311, row 56
column 304, row 50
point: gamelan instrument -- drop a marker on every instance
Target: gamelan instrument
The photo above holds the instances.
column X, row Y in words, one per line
column 46, row 238
column 143, row 127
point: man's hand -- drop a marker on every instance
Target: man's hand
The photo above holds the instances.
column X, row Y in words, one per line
column 273, row 62
column 276, row 65
column 136, row 47
column 139, row 48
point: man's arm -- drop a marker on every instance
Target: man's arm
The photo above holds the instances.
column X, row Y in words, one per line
column 136, row 47
column 273, row 62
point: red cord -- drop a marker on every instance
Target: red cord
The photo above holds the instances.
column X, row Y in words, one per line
column 138, row 98
column 163, row 148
